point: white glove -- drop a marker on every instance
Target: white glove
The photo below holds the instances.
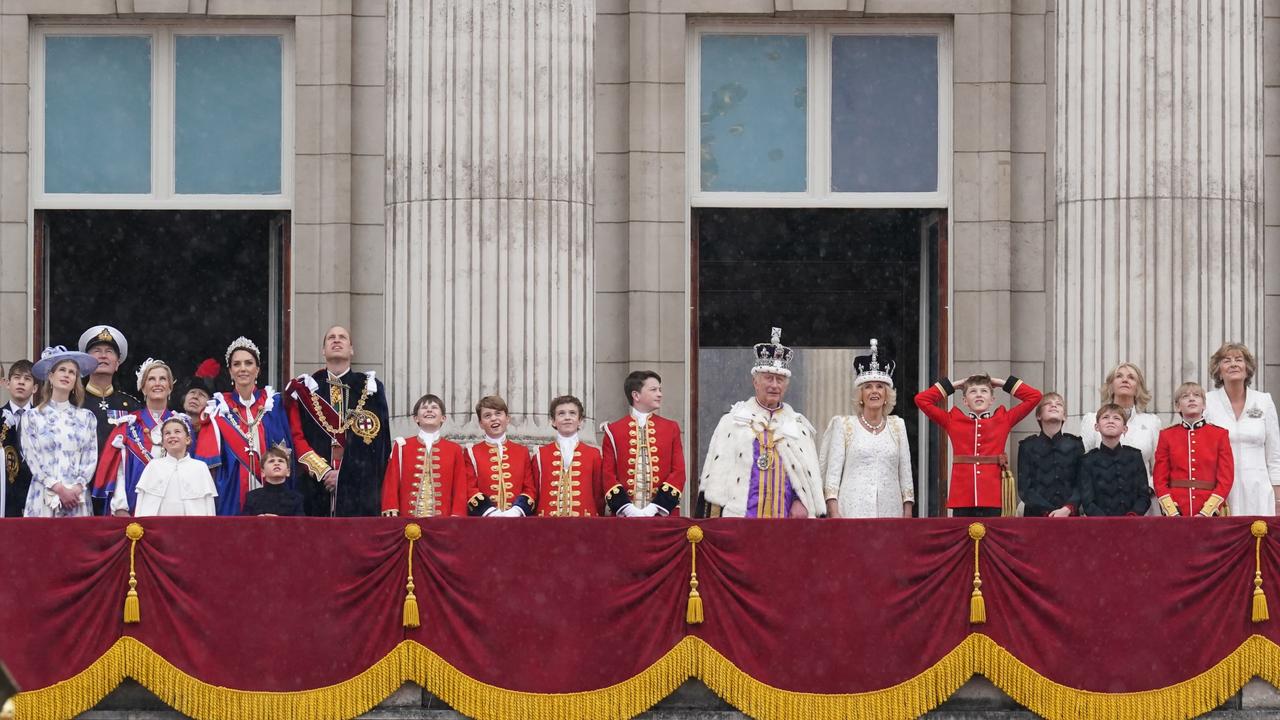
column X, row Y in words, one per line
column 653, row 510
column 490, row 511
column 629, row 510
column 513, row 511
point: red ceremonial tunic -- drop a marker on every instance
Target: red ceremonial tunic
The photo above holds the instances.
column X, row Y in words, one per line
column 976, row 484
column 504, row 483
column 576, row 490
column 1194, row 468
column 666, row 462
column 419, row 484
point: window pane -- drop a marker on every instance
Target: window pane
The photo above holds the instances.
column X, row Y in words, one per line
column 227, row 110
column 884, row 113
column 97, row 114
column 753, row 113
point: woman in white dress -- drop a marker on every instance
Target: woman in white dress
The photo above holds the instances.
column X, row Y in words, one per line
column 1250, row 416
column 60, row 438
column 866, row 459
column 1126, row 386
column 176, row 484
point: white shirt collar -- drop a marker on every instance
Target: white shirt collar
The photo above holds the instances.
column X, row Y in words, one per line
column 640, row 417
column 59, row 404
column 16, row 408
column 246, row 403
column 428, row 438
column 499, row 441
column 567, row 444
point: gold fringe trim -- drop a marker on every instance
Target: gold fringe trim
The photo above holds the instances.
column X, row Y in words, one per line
column 691, row 657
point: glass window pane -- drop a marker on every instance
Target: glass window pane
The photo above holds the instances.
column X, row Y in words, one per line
column 97, row 114
column 753, row 113
column 227, row 114
column 884, row 113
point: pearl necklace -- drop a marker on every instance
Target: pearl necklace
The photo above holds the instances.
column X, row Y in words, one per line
column 873, row 429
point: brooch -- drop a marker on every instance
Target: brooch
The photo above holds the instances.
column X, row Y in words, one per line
column 1253, row 412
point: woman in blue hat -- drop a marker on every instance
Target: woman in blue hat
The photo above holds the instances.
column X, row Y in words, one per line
column 59, row 437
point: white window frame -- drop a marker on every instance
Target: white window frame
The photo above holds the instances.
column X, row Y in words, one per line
column 818, row 142
column 163, row 77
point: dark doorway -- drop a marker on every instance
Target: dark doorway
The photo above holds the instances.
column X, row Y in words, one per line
column 180, row 285
column 832, row 279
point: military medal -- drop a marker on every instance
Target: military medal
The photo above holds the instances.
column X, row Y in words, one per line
column 11, row 463
column 365, row 424
column 764, row 461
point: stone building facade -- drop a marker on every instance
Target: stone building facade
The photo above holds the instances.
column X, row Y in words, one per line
column 509, row 196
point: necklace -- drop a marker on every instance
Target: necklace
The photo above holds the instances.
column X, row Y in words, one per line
column 765, row 461
column 873, row 429
column 359, row 421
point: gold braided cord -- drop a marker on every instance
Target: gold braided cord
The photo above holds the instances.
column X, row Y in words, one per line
column 691, row 657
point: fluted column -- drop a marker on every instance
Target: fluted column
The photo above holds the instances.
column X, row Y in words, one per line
column 1159, row 181
column 489, row 204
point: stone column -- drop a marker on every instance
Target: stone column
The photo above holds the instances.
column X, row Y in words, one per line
column 490, row 205
column 1159, row 157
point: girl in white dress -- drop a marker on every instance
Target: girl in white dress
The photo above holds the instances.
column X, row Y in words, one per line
column 176, row 484
column 60, row 438
column 866, row 459
column 1250, row 416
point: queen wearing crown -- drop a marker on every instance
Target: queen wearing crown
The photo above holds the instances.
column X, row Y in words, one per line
column 866, row 459
column 762, row 461
column 241, row 425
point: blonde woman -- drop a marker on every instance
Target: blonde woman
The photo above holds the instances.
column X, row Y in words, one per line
column 1250, row 416
column 866, row 459
column 1126, row 386
column 59, row 438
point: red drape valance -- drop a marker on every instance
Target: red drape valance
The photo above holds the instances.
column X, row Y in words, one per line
column 259, row 617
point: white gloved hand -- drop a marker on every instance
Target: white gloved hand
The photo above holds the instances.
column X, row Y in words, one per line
column 513, row 511
column 490, row 512
column 654, row 510
column 628, row 510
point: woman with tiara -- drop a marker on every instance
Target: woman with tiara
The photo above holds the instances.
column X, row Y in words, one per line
column 866, row 459
column 135, row 441
column 241, row 425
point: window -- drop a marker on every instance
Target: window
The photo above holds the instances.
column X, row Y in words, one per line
column 826, row 115
column 155, row 116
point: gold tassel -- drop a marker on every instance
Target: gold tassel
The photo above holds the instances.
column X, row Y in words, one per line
column 412, row 532
column 693, row 613
column 132, row 612
column 1260, row 612
column 977, row 605
column 1008, row 493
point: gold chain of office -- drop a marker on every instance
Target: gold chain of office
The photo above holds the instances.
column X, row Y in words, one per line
column 359, row 421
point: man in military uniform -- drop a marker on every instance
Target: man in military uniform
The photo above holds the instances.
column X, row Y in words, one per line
column 341, row 433
column 110, row 348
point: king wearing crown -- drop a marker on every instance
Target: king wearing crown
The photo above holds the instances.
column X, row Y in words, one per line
column 762, row 461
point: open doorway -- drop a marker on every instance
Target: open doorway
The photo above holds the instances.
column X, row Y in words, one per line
column 832, row 279
column 180, row 284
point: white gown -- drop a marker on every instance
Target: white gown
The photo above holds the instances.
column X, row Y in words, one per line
column 868, row 474
column 1255, row 445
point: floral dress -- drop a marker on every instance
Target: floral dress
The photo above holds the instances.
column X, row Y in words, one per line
column 60, row 444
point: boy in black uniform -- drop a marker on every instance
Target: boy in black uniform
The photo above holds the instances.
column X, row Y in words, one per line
column 273, row 498
column 22, row 386
column 1048, row 463
column 1113, row 477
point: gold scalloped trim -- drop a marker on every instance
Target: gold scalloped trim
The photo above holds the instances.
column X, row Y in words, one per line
column 691, row 657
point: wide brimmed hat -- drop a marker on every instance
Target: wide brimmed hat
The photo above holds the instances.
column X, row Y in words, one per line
column 56, row 354
column 876, row 367
column 105, row 334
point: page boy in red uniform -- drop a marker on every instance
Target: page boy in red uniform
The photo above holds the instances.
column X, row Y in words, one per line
column 426, row 475
column 569, row 473
column 503, row 469
column 1194, row 467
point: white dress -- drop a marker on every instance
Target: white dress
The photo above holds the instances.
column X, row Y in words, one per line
column 176, row 486
column 868, row 474
column 60, row 445
column 1255, row 445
